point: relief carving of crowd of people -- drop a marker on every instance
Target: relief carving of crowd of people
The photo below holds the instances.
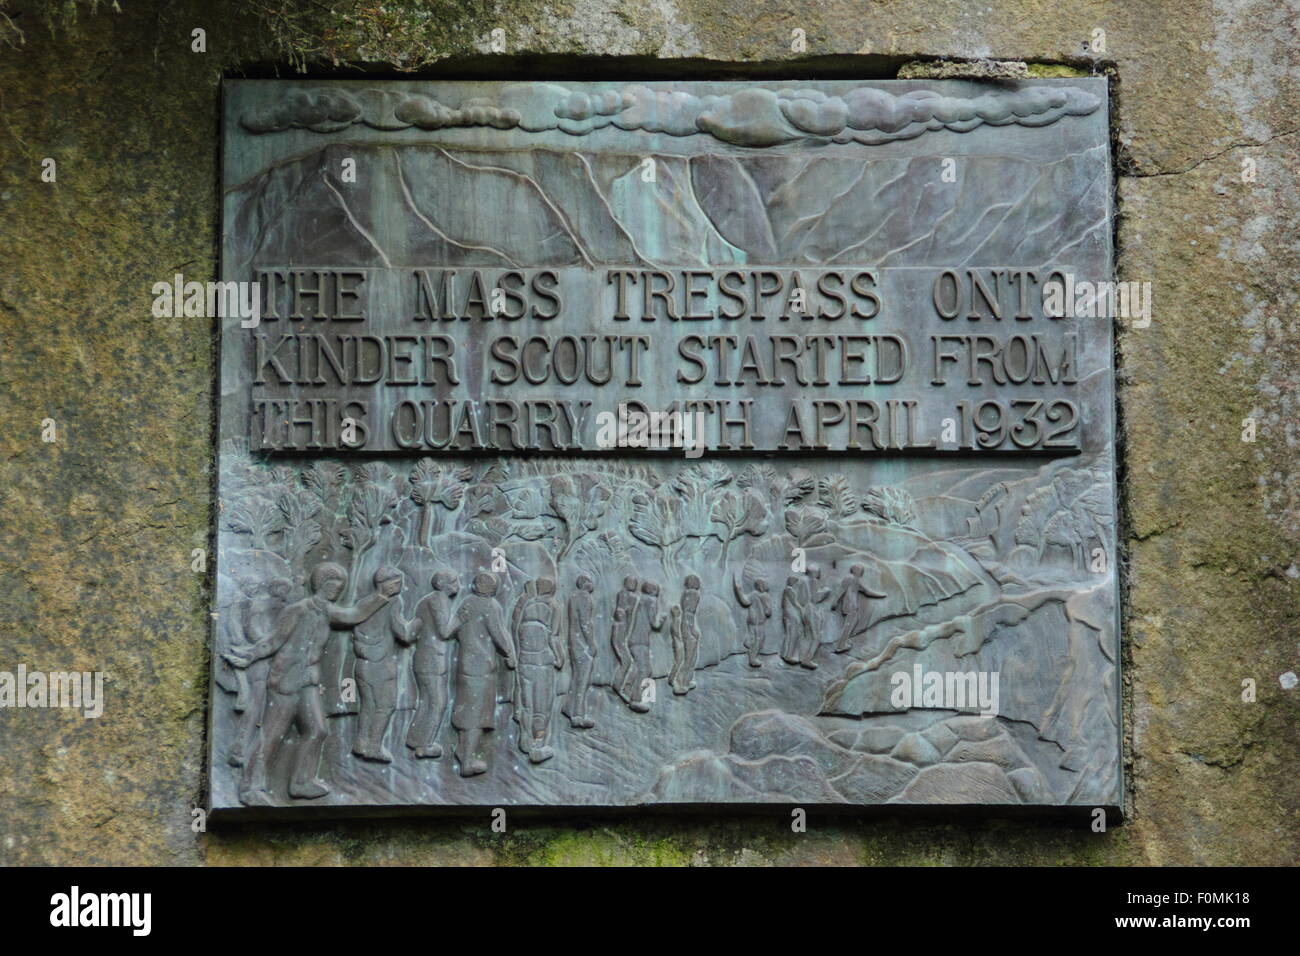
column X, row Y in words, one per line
column 489, row 588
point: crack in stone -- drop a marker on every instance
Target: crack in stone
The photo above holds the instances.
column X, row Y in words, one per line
column 1212, row 156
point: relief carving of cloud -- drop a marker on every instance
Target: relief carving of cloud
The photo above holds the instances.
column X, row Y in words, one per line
column 753, row 117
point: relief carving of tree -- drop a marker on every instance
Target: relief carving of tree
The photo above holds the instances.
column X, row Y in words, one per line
column 326, row 481
column 579, row 502
column 434, row 487
column 656, row 521
column 257, row 518
column 836, row 496
column 301, row 532
column 808, row 527
column 890, row 504
column 497, row 513
column 373, row 505
column 761, row 477
column 700, row 489
column 483, row 498
column 738, row 513
column 604, row 556
column 496, row 472
column 799, row 484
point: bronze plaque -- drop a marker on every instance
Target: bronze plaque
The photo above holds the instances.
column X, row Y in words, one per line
column 615, row 444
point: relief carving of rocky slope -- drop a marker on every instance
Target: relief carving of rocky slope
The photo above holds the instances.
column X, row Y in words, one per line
column 594, row 209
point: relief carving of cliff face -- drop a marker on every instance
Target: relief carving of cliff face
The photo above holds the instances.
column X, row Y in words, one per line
column 608, row 627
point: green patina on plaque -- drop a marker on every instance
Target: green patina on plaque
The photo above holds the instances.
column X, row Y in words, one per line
column 599, row 444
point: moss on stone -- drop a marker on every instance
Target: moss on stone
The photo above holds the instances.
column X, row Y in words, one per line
column 1055, row 69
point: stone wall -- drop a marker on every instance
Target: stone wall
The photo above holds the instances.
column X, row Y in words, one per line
column 97, row 528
